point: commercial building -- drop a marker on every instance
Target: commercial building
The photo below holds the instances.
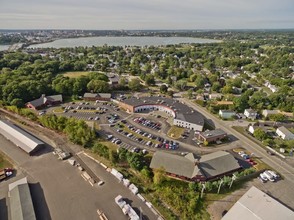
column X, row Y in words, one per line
column 44, row 101
column 97, row 96
column 257, row 205
column 20, row 201
column 212, row 136
column 20, row 137
column 183, row 116
column 195, row 168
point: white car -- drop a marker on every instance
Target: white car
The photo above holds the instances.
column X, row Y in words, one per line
column 100, row 183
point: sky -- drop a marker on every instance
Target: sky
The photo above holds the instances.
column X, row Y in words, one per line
column 146, row 14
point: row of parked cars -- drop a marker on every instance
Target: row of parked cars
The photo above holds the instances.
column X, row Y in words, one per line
column 269, row 175
column 148, row 123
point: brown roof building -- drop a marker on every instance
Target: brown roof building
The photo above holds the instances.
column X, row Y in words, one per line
column 195, row 168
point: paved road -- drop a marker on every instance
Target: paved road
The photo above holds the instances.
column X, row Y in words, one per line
column 276, row 163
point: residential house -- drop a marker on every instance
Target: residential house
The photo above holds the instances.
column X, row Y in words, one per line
column 284, row 133
column 215, row 96
column 250, row 113
column 44, row 101
column 226, row 114
column 113, row 79
column 267, row 113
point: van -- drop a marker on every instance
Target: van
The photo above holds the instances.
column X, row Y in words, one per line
column 100, row 183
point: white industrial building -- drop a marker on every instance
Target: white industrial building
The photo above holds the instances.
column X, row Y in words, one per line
column 20, row 137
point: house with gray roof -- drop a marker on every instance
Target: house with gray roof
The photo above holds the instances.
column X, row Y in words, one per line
column 20, row 137
column 257, row 205
column 195, row 168
column 20, row 201
column 97, row 96
column 44, row 101
column 284, row 133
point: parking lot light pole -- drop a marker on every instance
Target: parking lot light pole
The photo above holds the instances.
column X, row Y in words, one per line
column 220, row 184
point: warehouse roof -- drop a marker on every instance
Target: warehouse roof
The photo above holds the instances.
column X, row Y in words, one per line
column 257, row 205
column 182, row 111
column 21, row 205
column 19, row 137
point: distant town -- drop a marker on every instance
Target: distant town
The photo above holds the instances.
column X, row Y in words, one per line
column 176, row 131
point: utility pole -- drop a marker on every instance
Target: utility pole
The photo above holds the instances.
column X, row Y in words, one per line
column 220, row 184
column 140, row 213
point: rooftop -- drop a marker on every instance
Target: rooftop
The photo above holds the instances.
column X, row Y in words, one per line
column 257, row 205
column 183, row 112
column 213, row 133
column 191, row 165
column 19, row 136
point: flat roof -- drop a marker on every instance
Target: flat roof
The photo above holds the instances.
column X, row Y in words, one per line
column 257, row 205
column 213, row 133
column 19, row 137
column 21, row 204
column 182, row 111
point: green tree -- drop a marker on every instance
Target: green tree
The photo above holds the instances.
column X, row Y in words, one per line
column 135, row 84
column 97, row 85
column 260, row 134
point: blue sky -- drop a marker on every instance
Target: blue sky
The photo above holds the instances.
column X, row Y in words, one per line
column 146, row 14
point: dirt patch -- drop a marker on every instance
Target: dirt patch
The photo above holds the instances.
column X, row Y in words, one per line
column 216, row 208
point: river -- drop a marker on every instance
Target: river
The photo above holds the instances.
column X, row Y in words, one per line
column 121, row 41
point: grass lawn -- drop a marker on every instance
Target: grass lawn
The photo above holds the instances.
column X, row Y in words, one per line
column 109, row 144
column 4, row 162
column 76, row 74
column 175, row 132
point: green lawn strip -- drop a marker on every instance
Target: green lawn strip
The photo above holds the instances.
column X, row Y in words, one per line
column 75, row 74
column 175, row 132
column 109, row 144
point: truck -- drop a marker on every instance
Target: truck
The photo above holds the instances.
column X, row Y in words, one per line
column 269, row 176
column 5, row 173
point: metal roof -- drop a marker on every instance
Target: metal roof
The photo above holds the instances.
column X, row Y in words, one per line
column 286, row 132
column 19, row 137
column 257, row 205
column 21, row 205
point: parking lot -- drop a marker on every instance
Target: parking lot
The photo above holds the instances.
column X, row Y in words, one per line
column 57, row 184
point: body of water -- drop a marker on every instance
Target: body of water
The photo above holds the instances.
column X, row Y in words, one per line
column 4, row 47
column 121, row 41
